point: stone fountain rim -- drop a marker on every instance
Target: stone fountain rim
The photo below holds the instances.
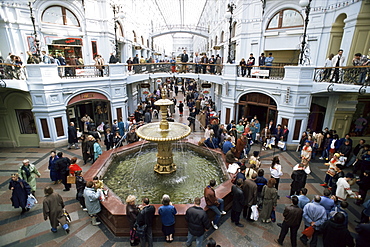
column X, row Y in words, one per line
column 158, row 139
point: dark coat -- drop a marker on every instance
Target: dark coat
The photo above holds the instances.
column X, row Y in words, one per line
column 146, row 216
column 293, row 215
column 62, row 165
column 53, row 209
column 238, row 198
column 363, row 237
column 336, row 235
column 54, row 174
column 132, row 211
column 197, row 221
column 20, row 192
column 249, row 188
column 80, row 185
column 72, row 134
column 299, row 180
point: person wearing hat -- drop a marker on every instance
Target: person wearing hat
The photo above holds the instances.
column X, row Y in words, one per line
column 332, row 170
column 306, row 151
column 344, row 189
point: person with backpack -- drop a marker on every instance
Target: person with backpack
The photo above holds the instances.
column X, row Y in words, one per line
column 144, row 220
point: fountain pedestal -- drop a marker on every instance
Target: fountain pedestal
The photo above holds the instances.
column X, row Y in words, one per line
column 164, row 133
column 165, row 163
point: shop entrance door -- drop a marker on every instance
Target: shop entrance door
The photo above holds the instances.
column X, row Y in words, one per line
column 257, row 104
column 98, row 110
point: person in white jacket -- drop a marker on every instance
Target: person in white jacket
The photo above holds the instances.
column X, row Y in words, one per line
column 344, row 189
column 276, row 171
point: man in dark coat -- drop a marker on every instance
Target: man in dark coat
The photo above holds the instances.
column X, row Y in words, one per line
column 20, row 191
column 299, row 178
column 145, row 217
column 335, row 233
column 72, row 136
column 238, row 202
column 198, row 222
column 249, row 188
column 62, row 166
column 292, row 220
column 363, row 237
column 184, row 60
column 53, row 209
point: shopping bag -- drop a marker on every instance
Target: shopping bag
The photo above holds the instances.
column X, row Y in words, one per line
column 308, row 231
column 255, row 213
column 273, row 216
column 140, row 230
column 31, row 201
column 66, row 215
column 71, row 180
column 281, row 144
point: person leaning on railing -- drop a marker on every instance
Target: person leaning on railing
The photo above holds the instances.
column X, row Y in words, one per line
column 361, row 60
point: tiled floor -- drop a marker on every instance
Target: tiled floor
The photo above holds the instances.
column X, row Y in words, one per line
column 31, row 230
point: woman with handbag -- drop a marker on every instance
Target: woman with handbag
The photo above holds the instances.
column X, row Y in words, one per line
column 20, row 191
column 53, row 208
column 28, row 173
column 167, row 213
column 269, row 195
column 132, row 211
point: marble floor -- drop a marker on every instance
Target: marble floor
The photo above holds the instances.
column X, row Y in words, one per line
column 30, row 229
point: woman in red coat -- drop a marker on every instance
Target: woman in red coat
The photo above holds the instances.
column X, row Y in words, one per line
column 74, row 167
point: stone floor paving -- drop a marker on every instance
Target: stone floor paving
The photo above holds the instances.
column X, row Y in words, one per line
column 31, row 230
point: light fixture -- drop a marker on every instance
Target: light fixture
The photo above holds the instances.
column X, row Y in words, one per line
column 229, row 16
column 307, row 5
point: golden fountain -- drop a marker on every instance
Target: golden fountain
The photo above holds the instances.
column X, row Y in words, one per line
column 164, row 133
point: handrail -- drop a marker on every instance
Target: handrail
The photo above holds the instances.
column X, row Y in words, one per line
column 357, row 75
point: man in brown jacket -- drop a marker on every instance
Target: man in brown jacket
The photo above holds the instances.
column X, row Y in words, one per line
column 249, row 188
column 214, row 203
column 292, row 219
column 53, row 209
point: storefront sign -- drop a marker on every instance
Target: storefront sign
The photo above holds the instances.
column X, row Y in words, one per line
column 206, row 85
column 87, row 96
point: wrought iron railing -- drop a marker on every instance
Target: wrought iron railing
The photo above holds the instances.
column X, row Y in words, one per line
column 358, row 75
column 201, row 68
column 12, row 71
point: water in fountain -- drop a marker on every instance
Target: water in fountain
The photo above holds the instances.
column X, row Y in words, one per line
column 134, row 175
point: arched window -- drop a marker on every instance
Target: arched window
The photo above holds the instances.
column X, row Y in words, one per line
column 222, row 37
column 142, row 40
column 286, row 18
column 60, row 15
column 216, row 41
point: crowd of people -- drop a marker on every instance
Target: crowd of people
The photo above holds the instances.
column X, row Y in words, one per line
column 255, row 197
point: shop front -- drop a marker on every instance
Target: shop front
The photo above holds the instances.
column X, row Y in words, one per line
column 95, row 105
column 68, row 47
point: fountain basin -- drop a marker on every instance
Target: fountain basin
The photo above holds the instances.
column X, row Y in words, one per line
column 113, row 212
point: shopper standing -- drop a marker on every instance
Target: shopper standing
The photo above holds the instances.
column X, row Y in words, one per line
column 28, row 173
